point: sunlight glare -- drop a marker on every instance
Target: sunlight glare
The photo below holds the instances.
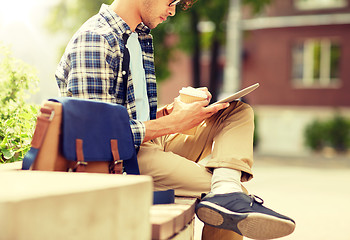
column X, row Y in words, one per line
column 16, row 12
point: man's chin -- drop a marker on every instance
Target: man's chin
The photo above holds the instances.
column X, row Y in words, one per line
column 152, row 25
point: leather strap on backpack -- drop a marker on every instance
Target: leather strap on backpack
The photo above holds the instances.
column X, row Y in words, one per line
column 81, row 164
column 42, row 124
column 117, row 165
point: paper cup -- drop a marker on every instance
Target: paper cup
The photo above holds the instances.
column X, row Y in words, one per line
column 190, row 95
column 190, row 99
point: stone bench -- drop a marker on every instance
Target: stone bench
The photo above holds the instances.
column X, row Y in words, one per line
column 58, row 205
column 173, row 221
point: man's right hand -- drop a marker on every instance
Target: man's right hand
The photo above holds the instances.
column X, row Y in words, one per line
column 183, row 116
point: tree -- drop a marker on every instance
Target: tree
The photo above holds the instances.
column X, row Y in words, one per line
column 215, row 11
column 185, row 25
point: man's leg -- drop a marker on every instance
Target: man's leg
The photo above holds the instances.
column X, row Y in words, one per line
column 166, row 159
column 228, row 136
column 235, row 210
column 172, row 171
column 213, row 233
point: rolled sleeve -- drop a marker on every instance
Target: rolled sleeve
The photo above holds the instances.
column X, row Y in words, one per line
column 138, row 130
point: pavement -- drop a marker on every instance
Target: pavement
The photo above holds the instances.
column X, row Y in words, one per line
column 313, row 190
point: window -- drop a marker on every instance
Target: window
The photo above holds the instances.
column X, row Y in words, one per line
column 316, row 63
column 319, row 4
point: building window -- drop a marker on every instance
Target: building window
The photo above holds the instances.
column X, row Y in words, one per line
column 319, row 4
column 316, row 63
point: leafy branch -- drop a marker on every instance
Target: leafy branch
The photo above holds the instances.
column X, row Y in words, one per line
column 17, row 81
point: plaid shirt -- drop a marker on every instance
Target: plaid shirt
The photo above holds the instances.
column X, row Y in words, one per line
column 91, row 66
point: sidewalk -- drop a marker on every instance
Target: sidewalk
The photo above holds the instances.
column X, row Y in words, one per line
column 314, row 191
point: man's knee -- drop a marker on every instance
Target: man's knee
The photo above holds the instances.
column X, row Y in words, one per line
column 242, row 111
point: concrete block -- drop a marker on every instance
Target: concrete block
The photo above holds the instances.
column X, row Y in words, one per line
column 55, row 205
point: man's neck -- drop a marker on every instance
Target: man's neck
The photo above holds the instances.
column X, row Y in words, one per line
column 128, row 11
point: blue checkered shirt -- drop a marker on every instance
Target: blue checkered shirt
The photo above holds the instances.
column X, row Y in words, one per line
column 91, row 66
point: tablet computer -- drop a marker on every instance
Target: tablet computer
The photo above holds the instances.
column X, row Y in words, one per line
column 239, row 94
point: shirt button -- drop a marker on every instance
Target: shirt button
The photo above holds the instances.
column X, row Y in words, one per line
column 123, row 72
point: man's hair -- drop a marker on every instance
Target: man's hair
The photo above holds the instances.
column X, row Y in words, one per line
column 186, row 4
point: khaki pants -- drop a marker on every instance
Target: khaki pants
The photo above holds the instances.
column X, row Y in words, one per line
column 172, row 160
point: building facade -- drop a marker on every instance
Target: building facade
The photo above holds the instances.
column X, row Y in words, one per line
column 298, row 50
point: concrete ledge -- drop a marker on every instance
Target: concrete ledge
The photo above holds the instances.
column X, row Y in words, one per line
column 55, row 205
column 11, row 166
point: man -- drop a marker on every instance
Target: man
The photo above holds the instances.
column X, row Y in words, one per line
column 92, row 68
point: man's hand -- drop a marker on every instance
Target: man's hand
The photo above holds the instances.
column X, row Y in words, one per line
column 205, row 89
column 169, row 108
column 188, row 115
column 182, row 116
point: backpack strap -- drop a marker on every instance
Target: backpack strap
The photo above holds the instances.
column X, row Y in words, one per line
column 42, row 124
column 116, row 165
column 125, row 66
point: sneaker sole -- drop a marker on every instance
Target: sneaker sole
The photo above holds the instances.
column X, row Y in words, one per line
column 251, row 225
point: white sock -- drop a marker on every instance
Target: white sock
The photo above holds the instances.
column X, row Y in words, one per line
column 226, row 180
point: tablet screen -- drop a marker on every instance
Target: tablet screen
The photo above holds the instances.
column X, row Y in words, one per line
column 239, row 94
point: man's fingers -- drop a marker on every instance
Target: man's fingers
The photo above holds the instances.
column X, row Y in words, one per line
column 214, row 108
column 203, row 102
column 205, row 89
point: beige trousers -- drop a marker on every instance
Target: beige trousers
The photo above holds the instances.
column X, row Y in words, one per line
column 172, row 160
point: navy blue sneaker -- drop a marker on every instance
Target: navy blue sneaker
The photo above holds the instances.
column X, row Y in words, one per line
column 244, row 215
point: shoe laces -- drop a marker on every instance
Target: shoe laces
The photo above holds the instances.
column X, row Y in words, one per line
column 256, row 199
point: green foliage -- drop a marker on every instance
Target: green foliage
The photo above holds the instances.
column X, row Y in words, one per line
column 339, row 133
column 162, row 51
column 333, row 133
column 68, row 15
column 16, row 116
column 207, row 10
column 315, row 135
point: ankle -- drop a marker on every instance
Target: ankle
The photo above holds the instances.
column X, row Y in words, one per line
column 226, row 180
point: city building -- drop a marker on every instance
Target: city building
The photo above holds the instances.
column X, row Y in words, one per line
column 298, row 50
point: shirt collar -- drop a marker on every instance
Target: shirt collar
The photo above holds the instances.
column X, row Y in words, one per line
column 118, row 24
column 142, row 29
